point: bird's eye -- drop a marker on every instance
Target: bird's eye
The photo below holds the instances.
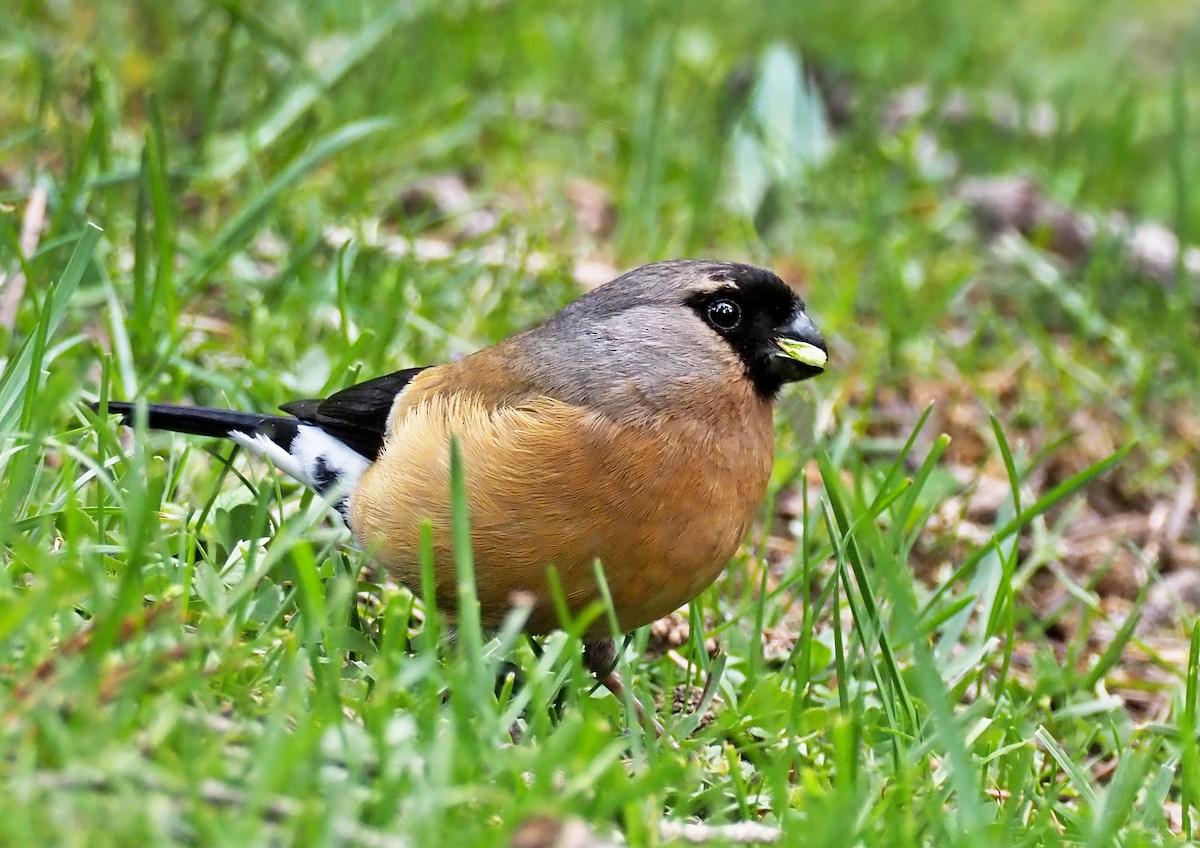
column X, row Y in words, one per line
column 724, row 314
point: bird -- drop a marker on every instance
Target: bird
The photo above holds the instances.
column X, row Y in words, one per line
column 633, row 427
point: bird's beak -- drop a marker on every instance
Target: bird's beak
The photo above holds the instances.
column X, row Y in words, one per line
column 801, row 342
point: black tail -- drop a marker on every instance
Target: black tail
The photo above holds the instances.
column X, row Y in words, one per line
column 301, row 450
column 205, row 421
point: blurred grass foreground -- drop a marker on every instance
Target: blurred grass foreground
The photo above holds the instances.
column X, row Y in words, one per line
column 967, row 614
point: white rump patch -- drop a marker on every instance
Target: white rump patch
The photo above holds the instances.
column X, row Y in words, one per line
column 318, row 460
column 260, row 445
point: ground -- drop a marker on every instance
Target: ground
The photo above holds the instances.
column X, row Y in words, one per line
column 967, row 613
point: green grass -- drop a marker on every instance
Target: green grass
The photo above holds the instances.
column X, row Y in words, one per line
column 190, row 652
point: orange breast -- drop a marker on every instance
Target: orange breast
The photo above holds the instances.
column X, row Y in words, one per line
column 663, row 505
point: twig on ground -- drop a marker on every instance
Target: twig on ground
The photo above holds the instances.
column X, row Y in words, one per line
column 740, row 833
column 12, row 289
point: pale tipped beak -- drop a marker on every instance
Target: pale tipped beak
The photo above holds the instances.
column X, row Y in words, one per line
column 801, row 341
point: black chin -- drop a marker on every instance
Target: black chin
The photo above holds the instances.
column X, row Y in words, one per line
column 770, row 373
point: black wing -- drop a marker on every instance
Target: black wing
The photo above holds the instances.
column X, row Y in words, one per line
column 358, row 414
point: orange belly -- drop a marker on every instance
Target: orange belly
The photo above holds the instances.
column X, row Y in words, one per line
column 662, row 506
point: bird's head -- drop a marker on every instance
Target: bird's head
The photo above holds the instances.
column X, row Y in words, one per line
column 748, row 309
column 762, row 319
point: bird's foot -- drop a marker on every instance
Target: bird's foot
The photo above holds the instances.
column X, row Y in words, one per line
column 600, row 658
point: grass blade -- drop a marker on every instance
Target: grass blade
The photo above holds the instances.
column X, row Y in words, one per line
column 20, row 382
column 235, row 234
column 231, row 154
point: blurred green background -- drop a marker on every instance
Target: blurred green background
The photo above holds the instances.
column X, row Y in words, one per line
column 980, row 641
